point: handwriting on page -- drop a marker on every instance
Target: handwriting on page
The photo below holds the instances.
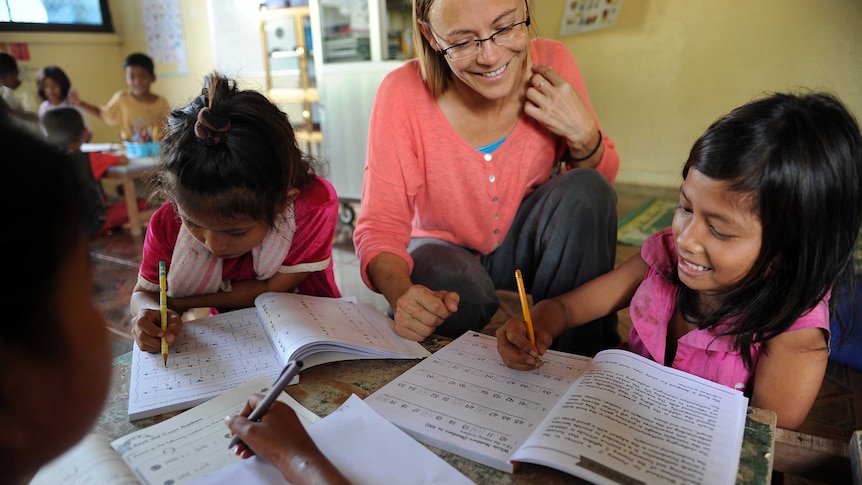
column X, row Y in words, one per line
column 206, row 358
column 341, row 321
column 437, row 391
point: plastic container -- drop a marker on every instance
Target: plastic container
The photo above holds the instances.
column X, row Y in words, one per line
column 137, row 150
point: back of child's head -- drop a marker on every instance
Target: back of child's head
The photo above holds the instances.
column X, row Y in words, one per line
column 140, row 60
column 58, row 76
column 53, row 345
column 38, row 242
column 63, row 126
column 8, row 64
column 797, row 161
column 231, row 152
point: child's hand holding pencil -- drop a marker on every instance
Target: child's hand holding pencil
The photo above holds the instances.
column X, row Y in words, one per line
column 154, row 329
column 522, row 342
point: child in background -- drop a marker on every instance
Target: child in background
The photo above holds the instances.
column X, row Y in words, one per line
column 139, row 112
column 738, row 290
column 58, row 350
column 245, row 212
column 21, row 101
column 54, row 86
column 64, row 127
column 55, row 357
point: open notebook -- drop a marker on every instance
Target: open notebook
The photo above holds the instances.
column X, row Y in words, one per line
column 217, row 353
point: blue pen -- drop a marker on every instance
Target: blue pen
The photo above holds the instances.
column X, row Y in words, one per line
column 287, row 375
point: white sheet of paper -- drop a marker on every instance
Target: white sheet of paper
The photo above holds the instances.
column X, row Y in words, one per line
column 90, row 462
column 193, row 443
column 365, row 447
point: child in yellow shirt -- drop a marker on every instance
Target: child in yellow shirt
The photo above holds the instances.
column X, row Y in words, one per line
column 140, row 113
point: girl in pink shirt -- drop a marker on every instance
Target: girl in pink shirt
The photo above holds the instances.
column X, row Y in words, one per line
column 245, row 213
column 738, row 290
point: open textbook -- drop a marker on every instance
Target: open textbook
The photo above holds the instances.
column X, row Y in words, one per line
column 214, row 354
column 616, row 418
column 192, row 447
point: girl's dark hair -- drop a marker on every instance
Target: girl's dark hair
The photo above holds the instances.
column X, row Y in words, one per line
column 37, row 245
column 58, row 76
column 248, row 170
column 798, row 160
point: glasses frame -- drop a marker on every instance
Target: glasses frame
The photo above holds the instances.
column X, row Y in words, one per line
column 479, row 42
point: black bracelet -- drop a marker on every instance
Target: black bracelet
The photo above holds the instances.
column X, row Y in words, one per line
column 593, row 152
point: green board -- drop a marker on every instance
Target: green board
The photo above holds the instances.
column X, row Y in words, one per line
column 652, row 216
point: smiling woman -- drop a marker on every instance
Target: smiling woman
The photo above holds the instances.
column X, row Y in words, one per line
column 484, row 156
column 56, row 15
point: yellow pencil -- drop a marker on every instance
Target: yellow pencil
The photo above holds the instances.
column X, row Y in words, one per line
column 525, row 309
column 163, row 307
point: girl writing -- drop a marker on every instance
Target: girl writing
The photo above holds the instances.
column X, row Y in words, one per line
column 245, row 213
column 738, row 289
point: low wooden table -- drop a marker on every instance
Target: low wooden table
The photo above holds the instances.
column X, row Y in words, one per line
column 322, row 389
column 136, row 169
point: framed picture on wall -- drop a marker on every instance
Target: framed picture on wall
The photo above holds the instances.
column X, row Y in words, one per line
column 588, row 15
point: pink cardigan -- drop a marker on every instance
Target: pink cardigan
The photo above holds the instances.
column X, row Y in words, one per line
column 423, row 180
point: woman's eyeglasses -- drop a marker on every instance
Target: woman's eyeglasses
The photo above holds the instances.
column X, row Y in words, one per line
column 471, row 48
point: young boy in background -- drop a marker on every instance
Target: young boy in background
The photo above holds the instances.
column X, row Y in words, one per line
column 140, row 113
column 64, row 127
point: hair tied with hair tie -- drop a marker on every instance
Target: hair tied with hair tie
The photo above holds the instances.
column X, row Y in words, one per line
column 210, row 128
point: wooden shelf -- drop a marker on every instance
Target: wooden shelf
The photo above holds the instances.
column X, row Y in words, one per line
column 283, row 13
column 305, row 136
column 305, row 94
column 293, row 95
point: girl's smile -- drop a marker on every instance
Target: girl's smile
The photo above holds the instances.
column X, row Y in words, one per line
column 717, row 237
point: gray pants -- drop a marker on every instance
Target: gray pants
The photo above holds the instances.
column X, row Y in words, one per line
column 564, row 234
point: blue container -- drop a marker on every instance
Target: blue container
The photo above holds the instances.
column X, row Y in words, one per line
column 137, row 150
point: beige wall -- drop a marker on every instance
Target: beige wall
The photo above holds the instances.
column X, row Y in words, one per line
column 657, row 78
column 94, row 62
column 668, row 68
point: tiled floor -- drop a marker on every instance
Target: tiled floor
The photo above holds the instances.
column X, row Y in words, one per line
column 116, row 257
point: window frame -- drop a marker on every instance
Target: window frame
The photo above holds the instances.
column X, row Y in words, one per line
column 106, row 26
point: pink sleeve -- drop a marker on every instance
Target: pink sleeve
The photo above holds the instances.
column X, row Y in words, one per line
column 556, row 55
column 316, row 215
column 159, row 242
column 385, row 222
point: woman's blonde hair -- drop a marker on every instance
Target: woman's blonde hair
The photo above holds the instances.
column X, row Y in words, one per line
column 435, row 70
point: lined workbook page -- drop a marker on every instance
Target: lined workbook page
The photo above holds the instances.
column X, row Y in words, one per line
column 465, row 400
column 210, row 356
column 194, row 443
column 307, row 328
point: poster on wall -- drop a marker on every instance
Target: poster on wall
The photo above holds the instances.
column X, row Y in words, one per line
column 163, row 25
column 588, row 15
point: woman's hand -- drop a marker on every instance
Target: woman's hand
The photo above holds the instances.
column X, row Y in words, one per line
column 147, row 329
column 554, row 102
column 419, row 311
column 280, row 439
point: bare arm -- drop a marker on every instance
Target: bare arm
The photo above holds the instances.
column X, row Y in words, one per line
column 418, row 310
column 144, row 306
column 280, row 439
column 242, row 293
column 594, row 299
column 75, row 99
column 789, row 374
